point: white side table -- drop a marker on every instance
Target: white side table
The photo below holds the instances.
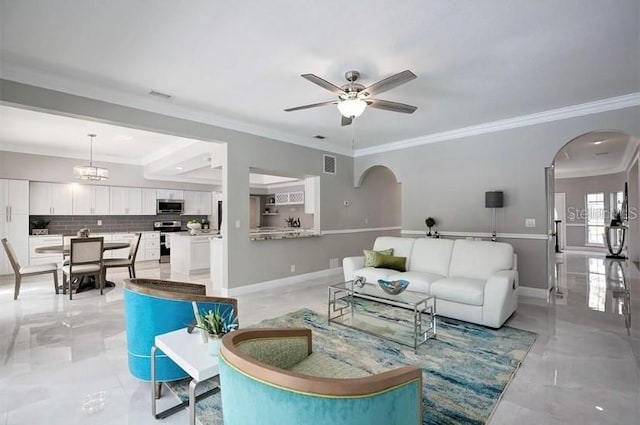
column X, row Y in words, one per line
column 188, row 352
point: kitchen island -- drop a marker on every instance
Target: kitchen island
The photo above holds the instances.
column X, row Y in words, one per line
column 189, row 253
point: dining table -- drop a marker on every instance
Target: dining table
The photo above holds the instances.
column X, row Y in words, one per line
column 65, row 250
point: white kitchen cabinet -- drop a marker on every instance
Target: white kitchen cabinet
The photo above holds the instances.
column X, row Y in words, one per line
column 149, row 200
column 125, row 201
column 170, row 194
column 14, row 220
column 149, row 247
column 91, row 200
column 36, row 258
column 289, row 198
column 197, row 203
column 50, row 198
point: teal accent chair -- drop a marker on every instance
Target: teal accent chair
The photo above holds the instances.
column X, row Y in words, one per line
column 153, row 307
column 272, row 377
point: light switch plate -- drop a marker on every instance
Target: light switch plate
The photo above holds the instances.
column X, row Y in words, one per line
column 99, row 222
column 530, row 222
column 237, row 224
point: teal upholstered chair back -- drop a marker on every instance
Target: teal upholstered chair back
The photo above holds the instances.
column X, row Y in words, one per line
column 153, row 307
column 271, row 377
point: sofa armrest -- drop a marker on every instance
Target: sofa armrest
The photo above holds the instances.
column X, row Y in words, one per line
column 350, row 265
column 500, row 297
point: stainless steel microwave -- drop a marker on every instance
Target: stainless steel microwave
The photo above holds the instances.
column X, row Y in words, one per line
column 170, row 206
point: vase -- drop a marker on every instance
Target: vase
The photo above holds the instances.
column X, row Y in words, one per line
column 213, row 345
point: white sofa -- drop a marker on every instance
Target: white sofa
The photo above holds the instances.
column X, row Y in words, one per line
column 473, row 281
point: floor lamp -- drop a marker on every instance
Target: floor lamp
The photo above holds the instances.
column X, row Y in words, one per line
column 493, row 200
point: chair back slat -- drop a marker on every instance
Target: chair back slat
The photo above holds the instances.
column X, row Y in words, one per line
column 133, row 248
column 86, row 250
column 13, row 258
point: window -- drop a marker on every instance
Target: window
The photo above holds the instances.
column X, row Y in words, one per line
column 595, row 218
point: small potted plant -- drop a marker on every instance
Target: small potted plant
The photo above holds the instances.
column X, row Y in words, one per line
column 39, row 226
column 216, row 324
column 194, row 226
column 430, row 222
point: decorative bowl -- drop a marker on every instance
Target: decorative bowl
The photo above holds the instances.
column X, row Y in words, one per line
column 393, row 287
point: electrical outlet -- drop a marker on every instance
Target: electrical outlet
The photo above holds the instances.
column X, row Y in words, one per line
column 293, row 268
column 366, row 220
column 99, row 222
column 530, row 222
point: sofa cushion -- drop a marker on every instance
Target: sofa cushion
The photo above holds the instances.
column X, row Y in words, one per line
column 460, row 290
column 370, row 256
column 479, row 259
column 372, row 274
column 401, row 246
column 432, row 255
column 418, row 281
column 390, row 262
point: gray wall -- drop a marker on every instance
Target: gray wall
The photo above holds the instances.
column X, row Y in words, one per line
column 575, row 190
column 245, row 261
column 447, row 180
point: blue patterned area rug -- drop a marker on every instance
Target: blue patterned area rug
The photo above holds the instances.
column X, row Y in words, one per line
column 465, row 369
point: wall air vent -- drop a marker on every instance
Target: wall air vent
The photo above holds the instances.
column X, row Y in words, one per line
column 319, row 136
column 601, row 153
column 160, row 95
column 329, row 164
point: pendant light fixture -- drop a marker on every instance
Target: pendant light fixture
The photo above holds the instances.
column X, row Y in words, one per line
column 90, row 172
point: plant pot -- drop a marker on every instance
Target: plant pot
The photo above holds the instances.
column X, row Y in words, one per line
column 213, row 345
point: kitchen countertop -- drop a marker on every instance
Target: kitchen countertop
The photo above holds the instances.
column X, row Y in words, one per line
column 264, row 234
column 94, row 233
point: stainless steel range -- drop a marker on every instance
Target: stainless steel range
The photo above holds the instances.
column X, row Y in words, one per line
column 166, row 227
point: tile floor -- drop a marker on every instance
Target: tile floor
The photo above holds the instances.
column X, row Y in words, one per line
column 64, row 362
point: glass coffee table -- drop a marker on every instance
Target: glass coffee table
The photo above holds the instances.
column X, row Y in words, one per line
column 408, row 318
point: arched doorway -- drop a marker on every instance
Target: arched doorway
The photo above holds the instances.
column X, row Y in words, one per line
column 585, row 188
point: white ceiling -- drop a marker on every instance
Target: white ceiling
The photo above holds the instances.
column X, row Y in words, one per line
column 595, row 153
column 238, row 64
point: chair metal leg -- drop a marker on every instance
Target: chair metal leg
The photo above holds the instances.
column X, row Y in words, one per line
column 130, row 272
column 55, row 281
column 158, row 390
column 16, row 290
column 64, row 283
column 133, row 271
column 101, row 276
column 70, row 286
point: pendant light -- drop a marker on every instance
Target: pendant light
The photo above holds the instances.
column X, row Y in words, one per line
column 90, row 172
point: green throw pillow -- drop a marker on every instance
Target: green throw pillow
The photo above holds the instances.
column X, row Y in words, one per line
column 370, row 256
column 391, row 262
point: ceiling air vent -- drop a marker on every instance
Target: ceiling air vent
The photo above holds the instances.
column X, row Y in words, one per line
column 329, row 164
column 319, row 136
column 160, row 95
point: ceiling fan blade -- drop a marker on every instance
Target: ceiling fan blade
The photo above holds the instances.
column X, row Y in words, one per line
column 324, row 84
column 313, row 105
column 346, row 121
column 389, row 83
column 391, row 106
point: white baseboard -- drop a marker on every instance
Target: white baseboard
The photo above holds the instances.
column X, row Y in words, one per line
column 526, row 291
column 277, row 283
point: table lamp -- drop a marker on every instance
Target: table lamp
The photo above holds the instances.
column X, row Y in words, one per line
column 494, row 200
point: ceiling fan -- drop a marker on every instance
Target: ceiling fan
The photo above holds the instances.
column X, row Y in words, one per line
column 353, row 97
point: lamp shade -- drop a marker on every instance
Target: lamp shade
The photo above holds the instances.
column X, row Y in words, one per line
column 352, row 107
column 493, row 199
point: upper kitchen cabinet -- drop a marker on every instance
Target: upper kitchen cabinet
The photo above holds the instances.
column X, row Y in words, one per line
column 91, row 200
column 170, row 194
column 149, row 201
column 50, row 198
column 197, row 203
column 126, row 201
column 289, row 198
column 14, row 196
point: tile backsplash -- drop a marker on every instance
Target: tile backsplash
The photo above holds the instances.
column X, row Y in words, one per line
column 70, row 224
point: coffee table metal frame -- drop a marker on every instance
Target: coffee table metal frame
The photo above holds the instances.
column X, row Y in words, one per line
column 341, row 303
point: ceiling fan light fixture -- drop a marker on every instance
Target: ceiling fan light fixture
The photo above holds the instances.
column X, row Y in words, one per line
column 352, row 108
column 90, row 172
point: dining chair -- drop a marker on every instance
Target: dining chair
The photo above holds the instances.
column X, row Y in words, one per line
column 21, row 272
column 85, row 259
column 129, row 262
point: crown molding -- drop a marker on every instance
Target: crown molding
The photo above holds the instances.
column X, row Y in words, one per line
column 598, row 106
